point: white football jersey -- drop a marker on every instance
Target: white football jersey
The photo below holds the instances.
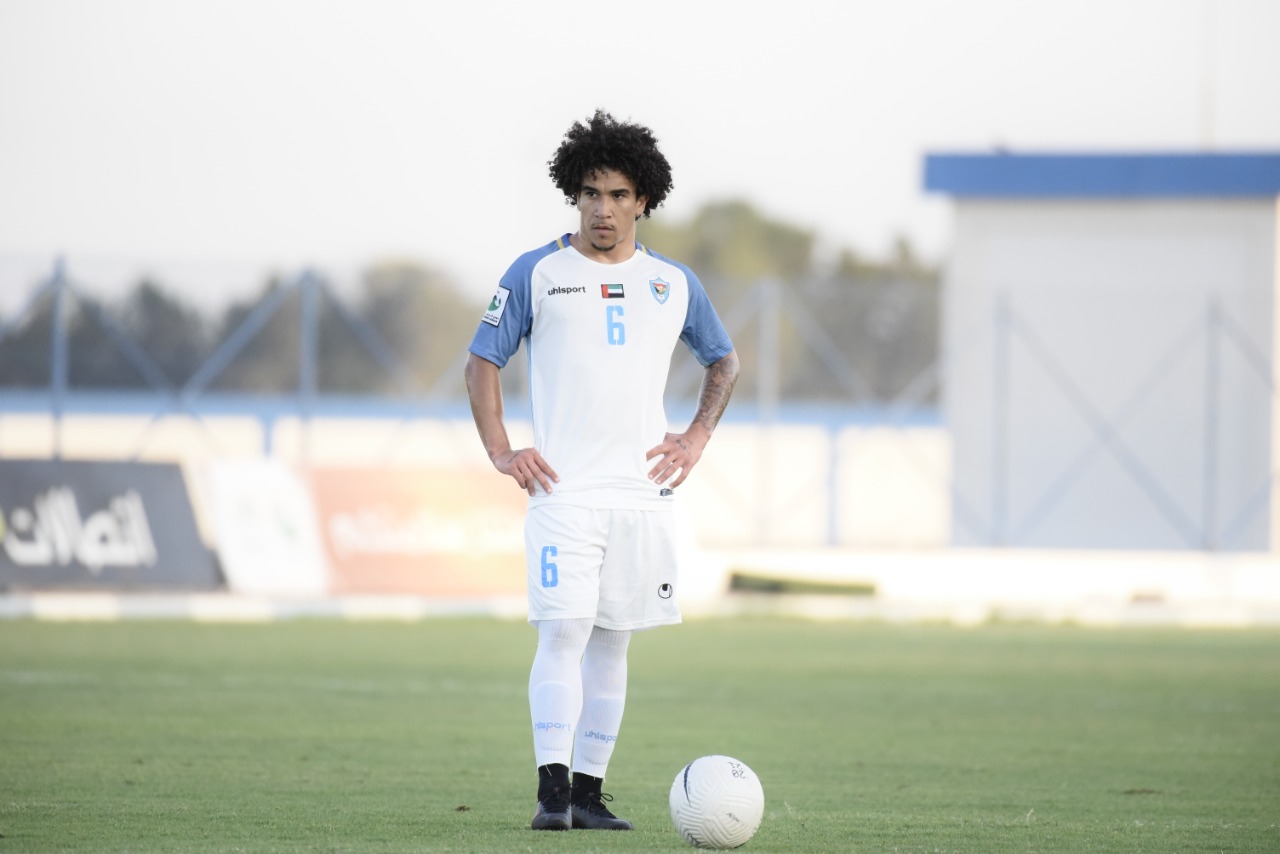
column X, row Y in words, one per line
column 600, row 338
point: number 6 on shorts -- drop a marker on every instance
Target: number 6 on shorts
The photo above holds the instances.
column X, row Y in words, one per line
column 550, row 575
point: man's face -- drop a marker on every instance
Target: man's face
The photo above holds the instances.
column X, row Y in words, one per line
column 609, row 207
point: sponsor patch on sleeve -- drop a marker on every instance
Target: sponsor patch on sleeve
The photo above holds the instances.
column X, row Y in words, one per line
column 497, row 306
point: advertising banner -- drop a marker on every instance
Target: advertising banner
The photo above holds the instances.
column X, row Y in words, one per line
column 438, row 532
column 90, row 525
column 266, row 529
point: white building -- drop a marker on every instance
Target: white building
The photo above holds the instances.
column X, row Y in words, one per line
column 1110, row 346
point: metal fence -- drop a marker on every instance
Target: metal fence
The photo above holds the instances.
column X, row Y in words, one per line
column 810, row 458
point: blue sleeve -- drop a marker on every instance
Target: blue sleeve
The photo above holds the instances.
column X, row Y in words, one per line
column 509, row 316
column 703, row 333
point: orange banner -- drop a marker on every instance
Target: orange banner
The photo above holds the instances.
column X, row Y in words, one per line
column 440, row 532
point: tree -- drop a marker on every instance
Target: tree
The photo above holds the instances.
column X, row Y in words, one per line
column 25, row 360
column 423, row 317
column 859, row 333
column 103, row 340
column 177, row 337
column 405, row 328
column 732, row 241
column 267, row 362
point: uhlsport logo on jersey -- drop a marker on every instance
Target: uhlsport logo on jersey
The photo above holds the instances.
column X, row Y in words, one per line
column 660, row 289
column 611, row 291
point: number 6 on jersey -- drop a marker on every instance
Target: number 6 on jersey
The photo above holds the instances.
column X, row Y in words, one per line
column 613, row 322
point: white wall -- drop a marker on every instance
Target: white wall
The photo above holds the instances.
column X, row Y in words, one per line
column 1111, row 411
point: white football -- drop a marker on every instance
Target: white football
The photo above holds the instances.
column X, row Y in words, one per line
column 717, row 802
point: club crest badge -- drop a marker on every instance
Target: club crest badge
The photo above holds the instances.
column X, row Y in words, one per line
column 660, row 289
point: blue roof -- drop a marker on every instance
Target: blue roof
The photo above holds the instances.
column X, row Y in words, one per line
column 1000, row 175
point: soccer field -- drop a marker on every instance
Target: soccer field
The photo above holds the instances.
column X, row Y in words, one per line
column 330, row 736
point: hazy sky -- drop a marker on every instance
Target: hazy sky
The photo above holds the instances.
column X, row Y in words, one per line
column 207, row 142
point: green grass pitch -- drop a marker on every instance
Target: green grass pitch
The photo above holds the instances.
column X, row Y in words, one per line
column 328, row 736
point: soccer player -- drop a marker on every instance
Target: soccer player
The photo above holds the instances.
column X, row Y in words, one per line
column 600, row 315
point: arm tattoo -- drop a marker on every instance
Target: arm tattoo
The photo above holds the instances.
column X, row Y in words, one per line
column 717, row 386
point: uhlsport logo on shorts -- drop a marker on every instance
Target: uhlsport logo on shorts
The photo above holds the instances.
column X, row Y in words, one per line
column 665, row 590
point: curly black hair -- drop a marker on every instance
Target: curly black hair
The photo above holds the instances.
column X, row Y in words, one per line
column 605, row 143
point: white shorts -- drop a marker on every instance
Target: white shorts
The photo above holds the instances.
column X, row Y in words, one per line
column 617, row 567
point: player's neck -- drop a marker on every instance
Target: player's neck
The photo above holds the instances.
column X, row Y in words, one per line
column 615, row 254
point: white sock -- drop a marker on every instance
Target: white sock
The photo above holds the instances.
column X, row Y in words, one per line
column 604, row 685
column 555, row 688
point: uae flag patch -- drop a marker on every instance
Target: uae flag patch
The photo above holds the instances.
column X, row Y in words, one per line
column 611, row 291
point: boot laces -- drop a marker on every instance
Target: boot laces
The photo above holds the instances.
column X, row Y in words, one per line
column 556, row 800
column 594, row 802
